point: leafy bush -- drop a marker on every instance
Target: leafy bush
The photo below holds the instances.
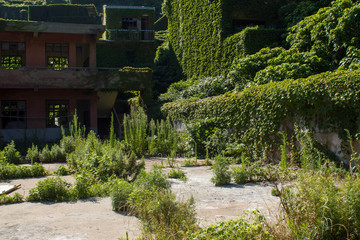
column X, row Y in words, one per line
column 198, row 88
column 240, row 174
column 103, row 159
column 242, row 228
column 50, row 190
column 120, row 193
column 256, row 114
column 161, row 215
column 155, row 178
column 62, row 171
column 177, row 173
column 5, row 199
column 11, row 171
column 33, row 154
column 11, row 154
column 221, row 172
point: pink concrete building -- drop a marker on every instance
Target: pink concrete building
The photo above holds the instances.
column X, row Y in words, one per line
column 47, row 71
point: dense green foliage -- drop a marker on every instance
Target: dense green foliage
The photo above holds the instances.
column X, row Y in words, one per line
column 256, row 114
column 201, row 49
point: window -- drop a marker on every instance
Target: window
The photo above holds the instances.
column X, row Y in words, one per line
column 13, row 114
column 12, row 54
column 129, row 23
column 57, row 113
column 57, row 55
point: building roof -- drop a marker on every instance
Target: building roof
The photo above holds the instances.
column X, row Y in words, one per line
column 129, row 7
column 50, row 27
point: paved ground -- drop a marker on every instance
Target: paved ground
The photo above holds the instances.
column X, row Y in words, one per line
column 94, row 219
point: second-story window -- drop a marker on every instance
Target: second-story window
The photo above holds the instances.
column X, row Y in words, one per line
column 57, row 55
column 12, row 54
column 129, row 23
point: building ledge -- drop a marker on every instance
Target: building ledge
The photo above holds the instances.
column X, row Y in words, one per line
column 50, row 27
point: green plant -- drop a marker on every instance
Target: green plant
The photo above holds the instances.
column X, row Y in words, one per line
column 249, row 226
column 177, row 173
column 240, row 174
column 5, row 199
column 11, row 154
column 50, row 190
column 62, row 171
column 33, row 154
column 120, row 192
column 221, row 172
column 161, row 215
column 135, row 127
column 12, row 171
column 154, row 178
column 320, row 207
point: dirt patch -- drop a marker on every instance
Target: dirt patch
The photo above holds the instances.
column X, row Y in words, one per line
column 94, row 218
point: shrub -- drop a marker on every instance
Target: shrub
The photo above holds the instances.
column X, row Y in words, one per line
column 155, row 178
column 62, row 171
column 251, row 226
column 221, row 172
column 161, row 215
column 240, row 174
column 33, row 154
column 11, row 154
column 177, row 173
column 82, row 186
column 120, row 192
column 320, row 207
column 5, row 199
column 12, row 171
column 51, row 190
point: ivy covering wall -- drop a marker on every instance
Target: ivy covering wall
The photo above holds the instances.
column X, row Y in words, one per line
column 198, row 31
column 256, row 114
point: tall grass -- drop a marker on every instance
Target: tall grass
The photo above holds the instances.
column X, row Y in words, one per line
column 135, row 130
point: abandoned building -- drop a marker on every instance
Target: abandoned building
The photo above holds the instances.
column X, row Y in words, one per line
column 49, row 67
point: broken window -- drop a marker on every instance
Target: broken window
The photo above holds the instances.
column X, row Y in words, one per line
column 129, row 23
column 57, row 113
column 57, row 55
column 12, row 54
column 13, row 114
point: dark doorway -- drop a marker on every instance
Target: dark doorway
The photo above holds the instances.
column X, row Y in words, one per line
column 83, row 112
column 82, row 55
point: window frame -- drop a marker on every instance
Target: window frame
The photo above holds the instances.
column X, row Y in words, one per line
column 17, row 117
column 51, row 121
column 14, row 55
column 57, row 55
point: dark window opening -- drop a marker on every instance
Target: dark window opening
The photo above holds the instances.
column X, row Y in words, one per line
column 240, row 24
column 57, row 113
column 12, row 54
column 57, row 55
column 13, row 114
column 129, row 23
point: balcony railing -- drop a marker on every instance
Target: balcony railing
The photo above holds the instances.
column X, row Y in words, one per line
column 130, row 35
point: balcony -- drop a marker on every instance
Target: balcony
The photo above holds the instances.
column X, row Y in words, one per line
column 129, row 35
